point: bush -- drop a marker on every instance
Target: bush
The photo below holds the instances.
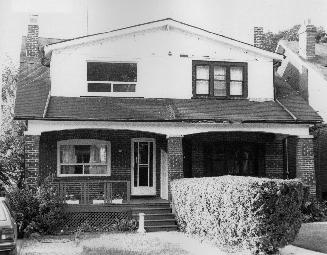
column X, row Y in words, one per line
column 314, row 211
column 240, row 213
column 40, row 211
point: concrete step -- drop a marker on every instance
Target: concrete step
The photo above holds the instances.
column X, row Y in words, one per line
column 161, row 228
column 151, row 210
column 163, row 222
column 158, row 216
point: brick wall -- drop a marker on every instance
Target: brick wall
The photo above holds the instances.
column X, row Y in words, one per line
column 32, row 160
column 175, row 159
column 305, row 163
column 120, row 152
column 320, row 152
column 274, row 158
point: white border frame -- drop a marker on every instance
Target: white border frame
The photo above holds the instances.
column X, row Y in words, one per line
column 112, row 93
column 84, row 142
column 145, row 190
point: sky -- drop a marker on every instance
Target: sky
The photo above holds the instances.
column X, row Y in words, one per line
column 72, row 18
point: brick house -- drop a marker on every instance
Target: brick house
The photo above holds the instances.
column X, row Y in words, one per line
column 305, row 69
column 125, row 112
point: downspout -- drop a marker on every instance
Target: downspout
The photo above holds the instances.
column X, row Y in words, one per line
column 287, row 110
column 46, row 105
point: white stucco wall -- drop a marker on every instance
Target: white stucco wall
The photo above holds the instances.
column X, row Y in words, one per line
column 318, row 93
column 159, row 73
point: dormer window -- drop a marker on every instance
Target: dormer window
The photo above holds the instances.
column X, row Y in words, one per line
column 111, row 77
column 219, row 79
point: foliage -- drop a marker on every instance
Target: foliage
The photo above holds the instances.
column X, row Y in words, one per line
column 314, row 211
column 120, row 225
column 270, row 40
column 11, row 131
column 25, row 206
column 240, row 213
column 39, row 211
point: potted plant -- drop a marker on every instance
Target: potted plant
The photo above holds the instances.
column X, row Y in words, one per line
column 70, row 199
column 98, row 200
column 117, row 198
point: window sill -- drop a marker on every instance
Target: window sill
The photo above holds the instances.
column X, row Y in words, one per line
column 220, row 98
column 83, row 175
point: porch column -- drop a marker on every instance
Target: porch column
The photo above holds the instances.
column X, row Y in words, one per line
column 304, row 158
column 32, row 144
column 175, row 159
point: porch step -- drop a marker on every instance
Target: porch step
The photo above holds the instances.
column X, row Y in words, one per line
column 152, row 205
column 161, row 228
column 156, row 218
column 163, row 222
column 151, row 210
column 159, row 216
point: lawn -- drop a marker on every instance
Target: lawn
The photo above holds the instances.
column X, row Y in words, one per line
column 313, row 236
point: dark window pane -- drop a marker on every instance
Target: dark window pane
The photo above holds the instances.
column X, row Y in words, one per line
column 151, row 164
column 124, row 88
column 82, row 153
column 144, row 146
column 99, row 87
column 101, row 71
column 143, row 176
column 135, row 163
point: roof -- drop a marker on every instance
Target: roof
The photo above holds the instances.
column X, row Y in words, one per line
column 33, row 102
column 33, row 82
column 158, row 23
column 319, row 63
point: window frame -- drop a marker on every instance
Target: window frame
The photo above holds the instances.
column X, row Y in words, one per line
column 83, row 142
column 228, row 66
column 111, row 92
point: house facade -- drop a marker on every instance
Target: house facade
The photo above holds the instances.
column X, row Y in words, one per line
column 123, row 113
column 305, row 69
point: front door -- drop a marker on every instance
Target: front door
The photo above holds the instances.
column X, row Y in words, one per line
column 143, row 167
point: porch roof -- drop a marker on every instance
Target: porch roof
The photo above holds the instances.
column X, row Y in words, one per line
column 141, row 109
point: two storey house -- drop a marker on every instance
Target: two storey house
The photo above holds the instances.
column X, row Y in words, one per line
column 125, row 112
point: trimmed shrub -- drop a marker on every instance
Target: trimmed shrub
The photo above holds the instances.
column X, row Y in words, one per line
column 237, row 213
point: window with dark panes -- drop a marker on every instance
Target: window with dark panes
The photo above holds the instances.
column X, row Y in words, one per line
column 219, row 79
column 111, row 77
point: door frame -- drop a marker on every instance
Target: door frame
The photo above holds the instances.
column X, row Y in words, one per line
column 163, row 174
column 146, row 191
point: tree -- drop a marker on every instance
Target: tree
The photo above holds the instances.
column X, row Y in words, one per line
column 11, row 131
column 270, row 40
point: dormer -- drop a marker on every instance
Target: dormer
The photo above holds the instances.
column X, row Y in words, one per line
column 161, row 59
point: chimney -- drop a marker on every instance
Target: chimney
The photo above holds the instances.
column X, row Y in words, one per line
column 258, row 36
column 32, row 39
column 307, row 40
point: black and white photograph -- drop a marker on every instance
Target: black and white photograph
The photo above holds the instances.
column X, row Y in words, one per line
column 163, row 127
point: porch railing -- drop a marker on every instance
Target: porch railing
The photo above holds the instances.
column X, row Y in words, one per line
column 94, row 192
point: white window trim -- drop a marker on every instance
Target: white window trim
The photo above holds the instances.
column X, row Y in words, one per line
column 112, row 82
column 84, row 142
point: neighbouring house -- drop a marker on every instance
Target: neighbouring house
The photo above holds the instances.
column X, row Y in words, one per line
column 121, row 114
column 305, row 69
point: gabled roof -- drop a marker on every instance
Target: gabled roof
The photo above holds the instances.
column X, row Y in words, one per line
column 33, row 102
column 155, row 24
column 319, row 63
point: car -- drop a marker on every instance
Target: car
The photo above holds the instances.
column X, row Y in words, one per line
column 8, row 229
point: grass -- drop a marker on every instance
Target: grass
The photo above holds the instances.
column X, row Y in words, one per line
column 313, row 236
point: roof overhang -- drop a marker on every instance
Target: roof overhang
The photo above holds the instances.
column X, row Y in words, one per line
column 167, row 23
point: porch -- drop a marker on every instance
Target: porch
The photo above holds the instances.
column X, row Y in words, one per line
column 99, row 166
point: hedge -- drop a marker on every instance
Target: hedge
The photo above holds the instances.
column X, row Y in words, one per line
column 237, row 213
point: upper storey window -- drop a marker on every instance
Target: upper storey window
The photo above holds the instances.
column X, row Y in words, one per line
column 111, row 77
column 219, row 79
